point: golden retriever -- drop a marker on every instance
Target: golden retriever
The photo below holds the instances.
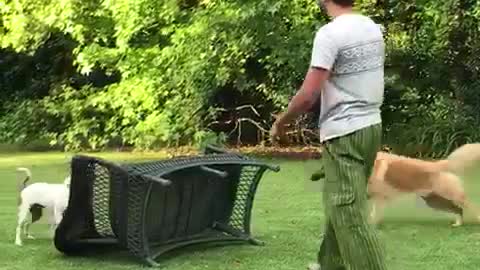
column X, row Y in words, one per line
column 437, row 182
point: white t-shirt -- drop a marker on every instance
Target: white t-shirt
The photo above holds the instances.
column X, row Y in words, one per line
column 352, row 48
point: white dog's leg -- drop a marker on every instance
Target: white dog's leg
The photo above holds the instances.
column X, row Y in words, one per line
column 26, row 227
column 26, row 230
column 51, row 220
column 22, row 219
column 58, row 215
column 18, row 237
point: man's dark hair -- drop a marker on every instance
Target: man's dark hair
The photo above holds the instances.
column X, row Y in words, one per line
column 344, row 3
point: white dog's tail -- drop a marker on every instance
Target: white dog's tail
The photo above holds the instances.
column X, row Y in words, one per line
column 464, row 158
column 23, row 184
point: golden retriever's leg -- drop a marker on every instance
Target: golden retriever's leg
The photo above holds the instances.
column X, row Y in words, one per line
column 376, row 188
column 458, row 221
column 451, row 188
column 376, row 212
column 472, row 207
column 379, row 169
column 373, row 212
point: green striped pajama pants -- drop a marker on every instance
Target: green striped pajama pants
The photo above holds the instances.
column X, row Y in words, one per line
column 350, row 242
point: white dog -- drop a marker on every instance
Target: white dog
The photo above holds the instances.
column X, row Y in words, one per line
column 33, row 198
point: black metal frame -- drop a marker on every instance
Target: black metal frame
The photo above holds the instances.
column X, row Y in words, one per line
column 113, row 204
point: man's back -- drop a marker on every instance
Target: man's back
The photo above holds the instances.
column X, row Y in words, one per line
column 352, row 48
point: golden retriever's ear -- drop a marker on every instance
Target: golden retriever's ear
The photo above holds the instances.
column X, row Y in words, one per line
column 387, row 149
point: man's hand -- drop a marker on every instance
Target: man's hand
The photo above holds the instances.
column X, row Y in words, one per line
column 305, row 98
column 277, row 132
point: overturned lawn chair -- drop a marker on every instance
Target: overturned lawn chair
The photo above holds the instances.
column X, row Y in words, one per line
column 154, row 207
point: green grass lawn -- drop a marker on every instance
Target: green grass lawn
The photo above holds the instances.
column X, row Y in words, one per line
column 288, row 216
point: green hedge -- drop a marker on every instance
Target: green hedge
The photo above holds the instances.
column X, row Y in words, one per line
column 150, row 74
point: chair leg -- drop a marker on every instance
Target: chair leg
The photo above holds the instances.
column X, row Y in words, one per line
column 152, row 263
column 256, row 242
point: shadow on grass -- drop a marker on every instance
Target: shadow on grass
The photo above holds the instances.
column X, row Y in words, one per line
column 114, row 255
column 423, row 222
column 34, row 244
column 108, row 255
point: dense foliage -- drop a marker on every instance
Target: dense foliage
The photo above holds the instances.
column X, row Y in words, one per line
column 431, row 102
column 98, row 73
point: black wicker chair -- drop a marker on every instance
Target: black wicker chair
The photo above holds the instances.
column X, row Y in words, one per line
column 154, row 207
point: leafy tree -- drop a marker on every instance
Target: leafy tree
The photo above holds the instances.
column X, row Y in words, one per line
column 154, row 73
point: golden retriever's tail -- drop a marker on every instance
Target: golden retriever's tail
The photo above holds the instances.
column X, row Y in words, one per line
column 464, row 158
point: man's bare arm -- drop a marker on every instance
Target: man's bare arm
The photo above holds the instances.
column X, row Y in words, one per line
column 306, row 96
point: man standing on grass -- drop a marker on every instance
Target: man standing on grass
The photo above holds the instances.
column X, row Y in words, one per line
column 347, row 74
